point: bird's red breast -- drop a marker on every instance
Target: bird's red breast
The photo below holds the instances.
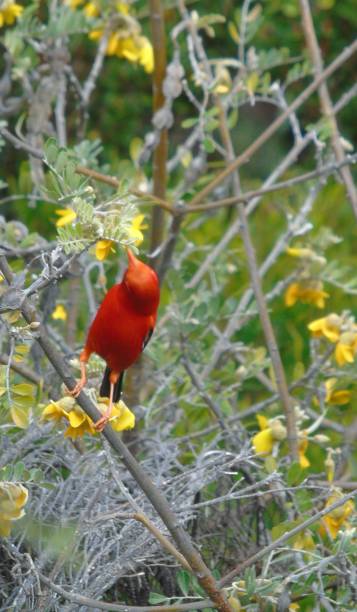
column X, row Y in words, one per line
column 126, row 317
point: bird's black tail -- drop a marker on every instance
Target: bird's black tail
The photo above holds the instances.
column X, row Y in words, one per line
column 105, row 386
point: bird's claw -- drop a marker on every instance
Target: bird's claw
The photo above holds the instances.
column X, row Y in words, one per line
column 101, row 423
column 76, row 389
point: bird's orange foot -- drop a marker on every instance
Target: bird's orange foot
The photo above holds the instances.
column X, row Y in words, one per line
column 78, row 388
column 99, row 425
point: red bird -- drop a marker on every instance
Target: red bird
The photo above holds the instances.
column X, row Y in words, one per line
column 121, row 329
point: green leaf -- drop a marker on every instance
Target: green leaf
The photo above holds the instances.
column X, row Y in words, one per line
column 183, row 580
column 188, row 123
column 18, row 471
column 157, row 598
column 295, row 474
column 23, row 389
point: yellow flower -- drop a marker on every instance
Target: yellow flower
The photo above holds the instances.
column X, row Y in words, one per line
column 346, row 348
column 135, row 229
column 9, row 12
column 66, row 216
column 13, row 497
column 121, row 417
column 327, row 326
column 270, row 432
column 79, row 424
column 307, row 294
column 136, row 49
column 91, row 9
column 59, row 313
column 339, row 398
column 302, row 447
column 338, row 518
column 103, row 248
column 55, row 411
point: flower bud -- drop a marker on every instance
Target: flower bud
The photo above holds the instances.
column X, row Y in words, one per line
column 321, row 438
column 278, row 430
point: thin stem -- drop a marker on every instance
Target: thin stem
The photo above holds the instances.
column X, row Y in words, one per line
column 264, row 316
column 102, row 605
column 264, row 137
column 227, row 579
column 325, row 100
column 160, row 153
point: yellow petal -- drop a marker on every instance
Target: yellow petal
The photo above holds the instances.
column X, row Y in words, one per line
column 302, row 447
column 263, row 442
column 339, row 398
column 262, row 421
column 327, row 326
column 126, row 419
column 113, row 44
column 136, row 234
column 292, row 294
column 344, row 354
column 59, row 313
column 76, row 418
column 67, row 215
column 53, row 411
column 91, row 9
column 103, row 248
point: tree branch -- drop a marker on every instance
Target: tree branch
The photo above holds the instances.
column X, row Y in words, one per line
column 157, row 499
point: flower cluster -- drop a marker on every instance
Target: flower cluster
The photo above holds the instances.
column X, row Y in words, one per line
column 126, row 41
column 338, row 518
column 9, row 12
column 13, row 498
column 339, row 330
column 105, row 247
column 272, row 432
column 87, row 219
column 79, row 422
column 306, row 292
column 307, row 289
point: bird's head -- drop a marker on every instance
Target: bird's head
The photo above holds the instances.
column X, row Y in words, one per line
column 142, row 284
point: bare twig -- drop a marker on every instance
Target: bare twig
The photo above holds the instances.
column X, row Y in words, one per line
column 264, row 137
column 227, row 579
column 101, row 605
column 325, row 100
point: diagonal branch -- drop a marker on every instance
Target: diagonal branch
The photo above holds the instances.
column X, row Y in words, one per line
column 325, row 100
